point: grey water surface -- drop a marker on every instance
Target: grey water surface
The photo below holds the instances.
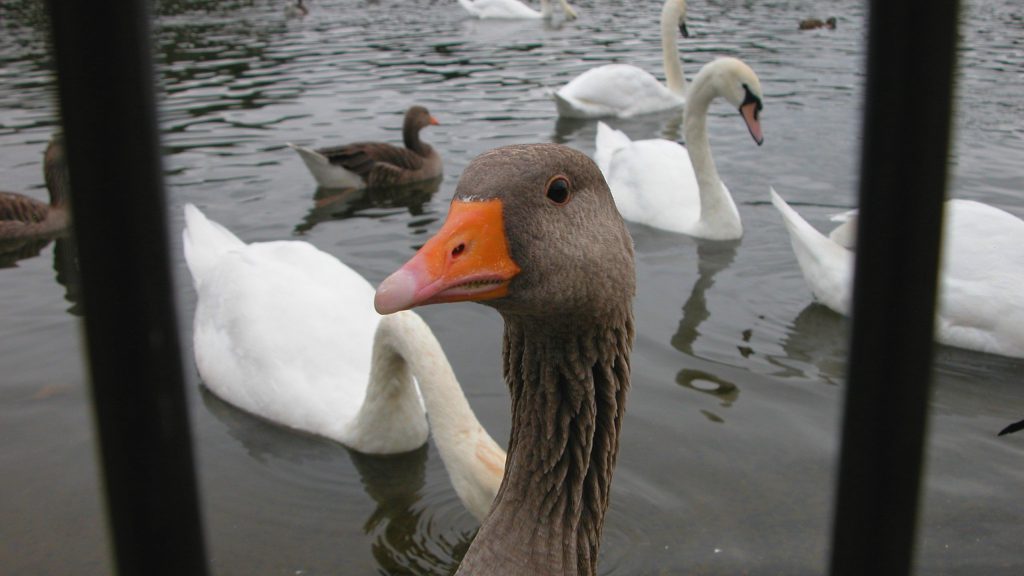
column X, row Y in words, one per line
column 729, row 446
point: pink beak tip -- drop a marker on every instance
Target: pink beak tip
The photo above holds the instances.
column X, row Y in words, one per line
column 395, row 293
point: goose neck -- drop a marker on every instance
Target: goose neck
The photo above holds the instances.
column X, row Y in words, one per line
column 568, row 382
column 411, row 138
column 55, row 172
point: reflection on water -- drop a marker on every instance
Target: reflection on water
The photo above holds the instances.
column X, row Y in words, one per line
column 712, row 258
column 403, row 541
column 334, row 204
column 18, row 249
column 65, row 263
column 818, row 340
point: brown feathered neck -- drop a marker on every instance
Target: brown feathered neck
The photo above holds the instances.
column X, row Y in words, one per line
column 568, row 378
column 411, row 138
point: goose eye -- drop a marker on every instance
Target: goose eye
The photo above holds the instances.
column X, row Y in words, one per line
column 558, row 190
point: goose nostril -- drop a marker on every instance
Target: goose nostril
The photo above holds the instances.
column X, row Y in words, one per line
column 458, row 250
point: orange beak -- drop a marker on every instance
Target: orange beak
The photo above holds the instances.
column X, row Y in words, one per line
column 467, row 259
column 749, row 113
column 434, row 122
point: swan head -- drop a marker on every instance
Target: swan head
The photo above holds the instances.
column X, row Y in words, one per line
column 733, row 80
column 673, row 14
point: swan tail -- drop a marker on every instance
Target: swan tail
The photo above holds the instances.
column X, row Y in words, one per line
column 571, row 107
column 825, row 264
column 204, row 242
column 607, row 143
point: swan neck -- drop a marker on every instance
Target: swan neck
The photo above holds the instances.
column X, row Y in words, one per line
column 674, row 78
column 716, row 206
column 568, row 382
column 404, row 348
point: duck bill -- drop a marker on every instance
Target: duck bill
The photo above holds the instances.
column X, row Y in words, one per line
column 468, row 259
column 749, row 113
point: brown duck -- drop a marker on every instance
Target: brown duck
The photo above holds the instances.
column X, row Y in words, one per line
column 814, row 23
column 377, row 164
column 534, row 233
column 23, row 217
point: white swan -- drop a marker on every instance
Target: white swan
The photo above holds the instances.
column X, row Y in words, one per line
column 513, row 9
column 980, row 305
column 624, row 90
column 289, row 333
column 664, row 185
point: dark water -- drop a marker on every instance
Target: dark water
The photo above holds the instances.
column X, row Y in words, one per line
column 730, row 442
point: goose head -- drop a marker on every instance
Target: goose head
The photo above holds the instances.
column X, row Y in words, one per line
column 737, row 83
column 418, row 118
column 532, row 230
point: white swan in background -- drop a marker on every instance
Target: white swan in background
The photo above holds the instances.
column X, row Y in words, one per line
column 980, row 301
column 624, row 90
column 664, row 185
column 289, row 333
column 513, row 9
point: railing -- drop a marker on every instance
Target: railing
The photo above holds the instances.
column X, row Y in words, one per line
column 108, row 108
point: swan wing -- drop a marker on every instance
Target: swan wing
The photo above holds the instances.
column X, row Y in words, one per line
column 981, row 305
column 614, row 90
column 653, row 183
column 499, row 9
column 284, row 331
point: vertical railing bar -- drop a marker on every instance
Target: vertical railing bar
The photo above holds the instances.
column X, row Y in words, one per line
column 909, row 92
column 106, row 89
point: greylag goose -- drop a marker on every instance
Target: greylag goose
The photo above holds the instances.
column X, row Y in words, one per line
column 22, row 217
column 377, row 164
column 287, row 332
column 533, row 232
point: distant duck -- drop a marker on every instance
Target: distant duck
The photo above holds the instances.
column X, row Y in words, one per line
column 814, row 23
column 296, row 10
column 980, row 304
column 661, row 184
column 512, row 9
column 23, row 217
column 624, row 90
column 377, row 164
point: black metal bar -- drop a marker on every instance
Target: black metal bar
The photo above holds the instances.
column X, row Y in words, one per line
column 903, row 179
column 105, row 79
